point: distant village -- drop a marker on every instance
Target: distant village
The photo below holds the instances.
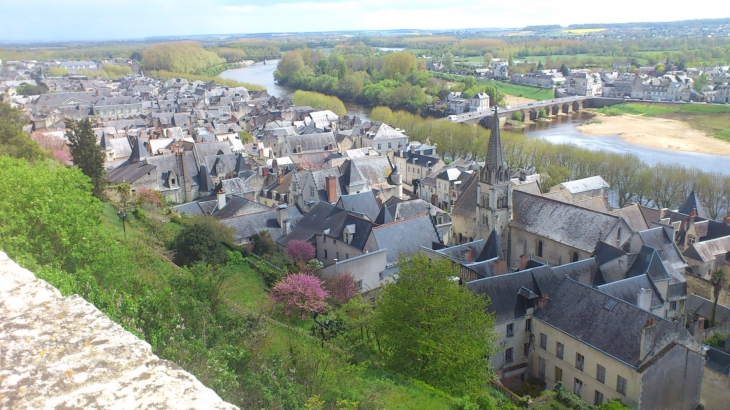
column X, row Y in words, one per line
column 614, row 303
column 643, row 83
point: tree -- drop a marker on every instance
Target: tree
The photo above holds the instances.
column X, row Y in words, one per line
column 701, row 81
column 300, row 251
column 718, row 280
column 510, row 61
column 342, row 287
column 433, row 329
column 540, row 66
column 86, row 153
column 565, row 70
column 402, row 62
column 202, row 241
column 262, row 243
column 448, row 60
column 517, row 116
column 660, row 68
column 300, row 294
column 13, row 141
column 488, row 59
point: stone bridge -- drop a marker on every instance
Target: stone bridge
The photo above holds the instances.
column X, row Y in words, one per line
column 531, row 111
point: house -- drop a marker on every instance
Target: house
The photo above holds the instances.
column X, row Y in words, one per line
column 603, row 348
column 277, row 222
column 581, row 189
column 479, row 102
column 415, row 166
column 383, row 138
column 117, row 107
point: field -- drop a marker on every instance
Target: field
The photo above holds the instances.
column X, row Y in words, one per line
column 710, row 118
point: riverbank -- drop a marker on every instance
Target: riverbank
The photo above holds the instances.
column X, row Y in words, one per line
column 656, row 132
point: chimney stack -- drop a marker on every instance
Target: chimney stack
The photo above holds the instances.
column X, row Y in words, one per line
column 265, row 172
column 331, row 188
column 469, row 255
column 699, row 330
column 542, row 301
column 499, row 267
column 280, row 178
column 647, row 338
column 221, row 199
column 643, row 299
column 522, row 264
column 286, row 226
column 282, row 213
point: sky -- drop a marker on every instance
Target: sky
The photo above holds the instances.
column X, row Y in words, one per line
column 64, row 20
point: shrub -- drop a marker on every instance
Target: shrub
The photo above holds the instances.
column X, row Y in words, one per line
column 300, row 250
column 300, row 295
column 342, row 287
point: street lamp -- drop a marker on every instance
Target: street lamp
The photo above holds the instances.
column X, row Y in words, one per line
column 123, row 216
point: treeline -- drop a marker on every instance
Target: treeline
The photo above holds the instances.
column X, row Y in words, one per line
column 319, row 100
column 74, row 52
column 257, row 49
column 357, row 73
column 187, row 57
column 631, row 180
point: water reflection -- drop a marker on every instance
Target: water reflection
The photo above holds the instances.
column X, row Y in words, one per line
column 263, row 74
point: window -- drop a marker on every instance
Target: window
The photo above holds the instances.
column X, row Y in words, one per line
column 691, row 239
column 528, row 325
column 558, row 374
column 325, row 253
column 543, row 341
column 559, row 350
column 621, row 385
column 337, row 255
column 381, row 275
column 390, row 145
column 324, row 238
column 379, row 147
column 526, row 349
column 510, row 330
column 579, row 361
column 311, row 191
column 541, row 369
column 598, row 398
column 539, row 248
column 673, row 305
column 601, row 373
column 508, row 355
column 358, row 285
column 575, row 256
column 347, row 256
column 577, row 387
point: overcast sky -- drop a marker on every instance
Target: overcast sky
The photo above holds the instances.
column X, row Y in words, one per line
column 61, row 20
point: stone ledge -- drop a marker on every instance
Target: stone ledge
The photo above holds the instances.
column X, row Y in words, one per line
column 61, row 352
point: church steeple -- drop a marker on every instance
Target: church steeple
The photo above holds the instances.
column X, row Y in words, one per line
column 494, row 171
column 494, row 151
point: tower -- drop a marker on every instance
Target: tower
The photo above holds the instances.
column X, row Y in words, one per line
column 494, row 196
column 397, row 179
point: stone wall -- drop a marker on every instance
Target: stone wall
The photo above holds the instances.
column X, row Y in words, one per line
column 61, row 352
column 702, row 287
column 715, row 390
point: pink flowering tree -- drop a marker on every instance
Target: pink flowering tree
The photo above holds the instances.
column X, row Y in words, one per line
column 300, row 294
column 300, row 251
column 342, row 287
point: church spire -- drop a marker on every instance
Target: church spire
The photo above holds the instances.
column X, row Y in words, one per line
column 494, row 151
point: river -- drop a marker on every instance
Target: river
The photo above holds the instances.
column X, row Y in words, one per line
column 263, row 75
column 562, row 130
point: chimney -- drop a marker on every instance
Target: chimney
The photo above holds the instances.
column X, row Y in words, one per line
column 499, row 267
column 286, row 226
column 221, row 199
column 331, row 188
column 469, row 255
column 280, row 178
column 265, row 172
column 699, row 330
column 543, row 301
column 282, row 213
column 647, row 338
column 275, row 164
column 643, row 299
column 522, row 263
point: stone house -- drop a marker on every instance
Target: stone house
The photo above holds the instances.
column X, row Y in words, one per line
column 383, row 138
column 479, row 102
column 603, row 348
column 117, row 107
column 415, row 166
column 278, row 222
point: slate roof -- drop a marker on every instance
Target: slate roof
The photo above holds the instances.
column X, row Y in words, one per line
column 405, row 237
column 717, row 360
column 492, row 249
column 129, row 172
column 571, row 225
column 692, row 203
column 628, row 290
column 362, row 203
column 371, row 171
column 139, row 151
column 457, row 252
column 312, row 142
column 584, row 271
column 191, row 208
column 327, row 217
column 633, row 216
column 247, row 225
column 607, row 323
column 418, row 159
column 205, row 149
column 708, row 250
column 585, row 184
column 385, row 131
column 648, row 262
column 503, row 291
column 237, row 204
column 703, row 307
column 466, row 205
column 659, row 239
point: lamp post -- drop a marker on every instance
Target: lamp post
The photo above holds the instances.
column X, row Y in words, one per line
column 123, row 216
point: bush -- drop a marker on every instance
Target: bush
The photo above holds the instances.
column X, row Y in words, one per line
column 300, row 295
column 717, row 341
